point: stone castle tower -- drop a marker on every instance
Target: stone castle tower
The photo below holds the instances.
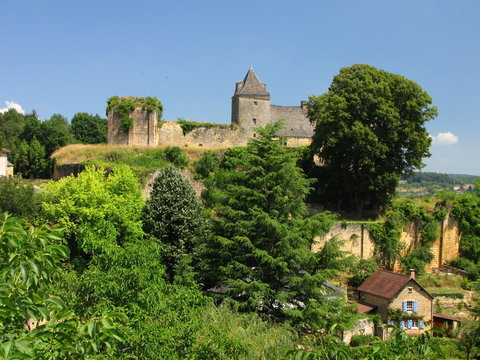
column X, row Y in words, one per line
column 251, row 107
column 250, row 103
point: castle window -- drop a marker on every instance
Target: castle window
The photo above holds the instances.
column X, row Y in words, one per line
column 255, row 103
column 254, row 121
column 254, row 135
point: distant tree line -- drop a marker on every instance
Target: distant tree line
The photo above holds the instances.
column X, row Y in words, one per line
column 32, row 141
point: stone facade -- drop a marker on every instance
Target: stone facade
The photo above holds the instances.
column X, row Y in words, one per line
column 250, row 108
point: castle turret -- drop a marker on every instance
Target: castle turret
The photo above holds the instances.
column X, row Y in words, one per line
column 133, row 121
column 250, row 103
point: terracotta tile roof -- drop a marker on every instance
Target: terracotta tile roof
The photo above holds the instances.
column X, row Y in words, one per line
column 365, row 308
column 384, row 283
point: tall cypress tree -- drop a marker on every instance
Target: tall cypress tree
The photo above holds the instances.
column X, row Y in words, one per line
column 175, row 217
column 260, row 252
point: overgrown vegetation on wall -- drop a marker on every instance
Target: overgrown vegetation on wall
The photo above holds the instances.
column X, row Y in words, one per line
column 386, row 235
column 123, row 106
column 187, row 126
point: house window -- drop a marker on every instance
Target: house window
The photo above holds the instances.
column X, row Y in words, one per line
column 409, row 306
column 410, row 290
column 414, row 324
column 254, row 121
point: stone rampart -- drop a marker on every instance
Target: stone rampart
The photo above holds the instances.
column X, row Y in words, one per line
column 356, row 239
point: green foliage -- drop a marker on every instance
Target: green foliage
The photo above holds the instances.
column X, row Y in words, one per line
column 369, row 132
column 30, row 159
column 225, row 334
column 188, row 126
column 399, row 347
column 98, row 211
column 361, row 340
column 126, row 123
column 361, row 270
column 207, row 164
column 261, row 248
column 56, row 132
column 11, row 125
column 386, row 236
column 31, row 260
column 18, row 198
column 123, row 106
column 469, row 337
column 467, row 211
column 175, row 217
column 176, row 156
column 89, row 129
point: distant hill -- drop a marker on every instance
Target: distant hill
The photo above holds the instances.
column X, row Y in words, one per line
column 428, row 183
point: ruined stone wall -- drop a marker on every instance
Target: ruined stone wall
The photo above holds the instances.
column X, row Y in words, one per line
column 221, row 136
column 143, row 130
column 356, row 239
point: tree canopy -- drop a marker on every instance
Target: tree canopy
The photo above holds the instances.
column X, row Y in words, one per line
column 89, row 129
column 260, row 250
column 369, row 131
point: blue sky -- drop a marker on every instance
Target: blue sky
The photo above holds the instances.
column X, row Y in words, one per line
column 70, row 56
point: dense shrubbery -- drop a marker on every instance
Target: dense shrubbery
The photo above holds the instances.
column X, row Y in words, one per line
column 176, row 156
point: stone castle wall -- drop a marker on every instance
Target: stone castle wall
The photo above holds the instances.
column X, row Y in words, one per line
column 143, row 132
column 356, row 240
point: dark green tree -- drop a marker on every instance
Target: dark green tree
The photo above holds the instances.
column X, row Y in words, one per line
column 467, row 210
column 175, row 217
column 260, row 252
column 11, row 125
column 56, row 132
column 17, row 197
column 89, row 129
column 30, row 159
column 369, row 131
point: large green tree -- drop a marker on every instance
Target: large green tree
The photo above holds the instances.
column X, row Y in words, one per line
column 57, row 132
column 89, row 129
column 175, row 217
column 260, row 252
column 369, row 131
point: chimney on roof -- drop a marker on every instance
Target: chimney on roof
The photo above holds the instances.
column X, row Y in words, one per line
column 412, row 274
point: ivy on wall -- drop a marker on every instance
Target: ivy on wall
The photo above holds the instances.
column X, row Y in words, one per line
column 188, row 126
column 386, row 235
column 123, row 106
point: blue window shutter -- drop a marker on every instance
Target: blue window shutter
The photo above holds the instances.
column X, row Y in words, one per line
column 392, row 322
column 404, row 306
column 415, row 306
column 402, row 324
column 409, row 324
column 422, row 325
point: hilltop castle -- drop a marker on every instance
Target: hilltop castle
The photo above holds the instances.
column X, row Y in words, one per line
column 250, row 108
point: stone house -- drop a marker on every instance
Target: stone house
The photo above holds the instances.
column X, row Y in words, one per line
column 6, row 168
column 399, row 300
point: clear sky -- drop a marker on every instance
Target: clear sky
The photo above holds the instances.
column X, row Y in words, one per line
column 66, row 56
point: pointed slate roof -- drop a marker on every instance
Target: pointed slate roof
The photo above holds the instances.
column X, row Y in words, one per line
column 252, row 87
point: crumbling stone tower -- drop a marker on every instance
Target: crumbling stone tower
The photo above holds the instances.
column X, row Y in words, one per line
column 133, row 121
column 250, row 104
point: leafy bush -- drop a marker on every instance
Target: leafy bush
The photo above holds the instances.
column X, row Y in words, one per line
column 208, row 163
column 360, row 340
column 18, row 198
column 176, row 156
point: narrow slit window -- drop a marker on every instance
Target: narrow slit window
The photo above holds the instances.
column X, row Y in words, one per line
column 254, row 121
